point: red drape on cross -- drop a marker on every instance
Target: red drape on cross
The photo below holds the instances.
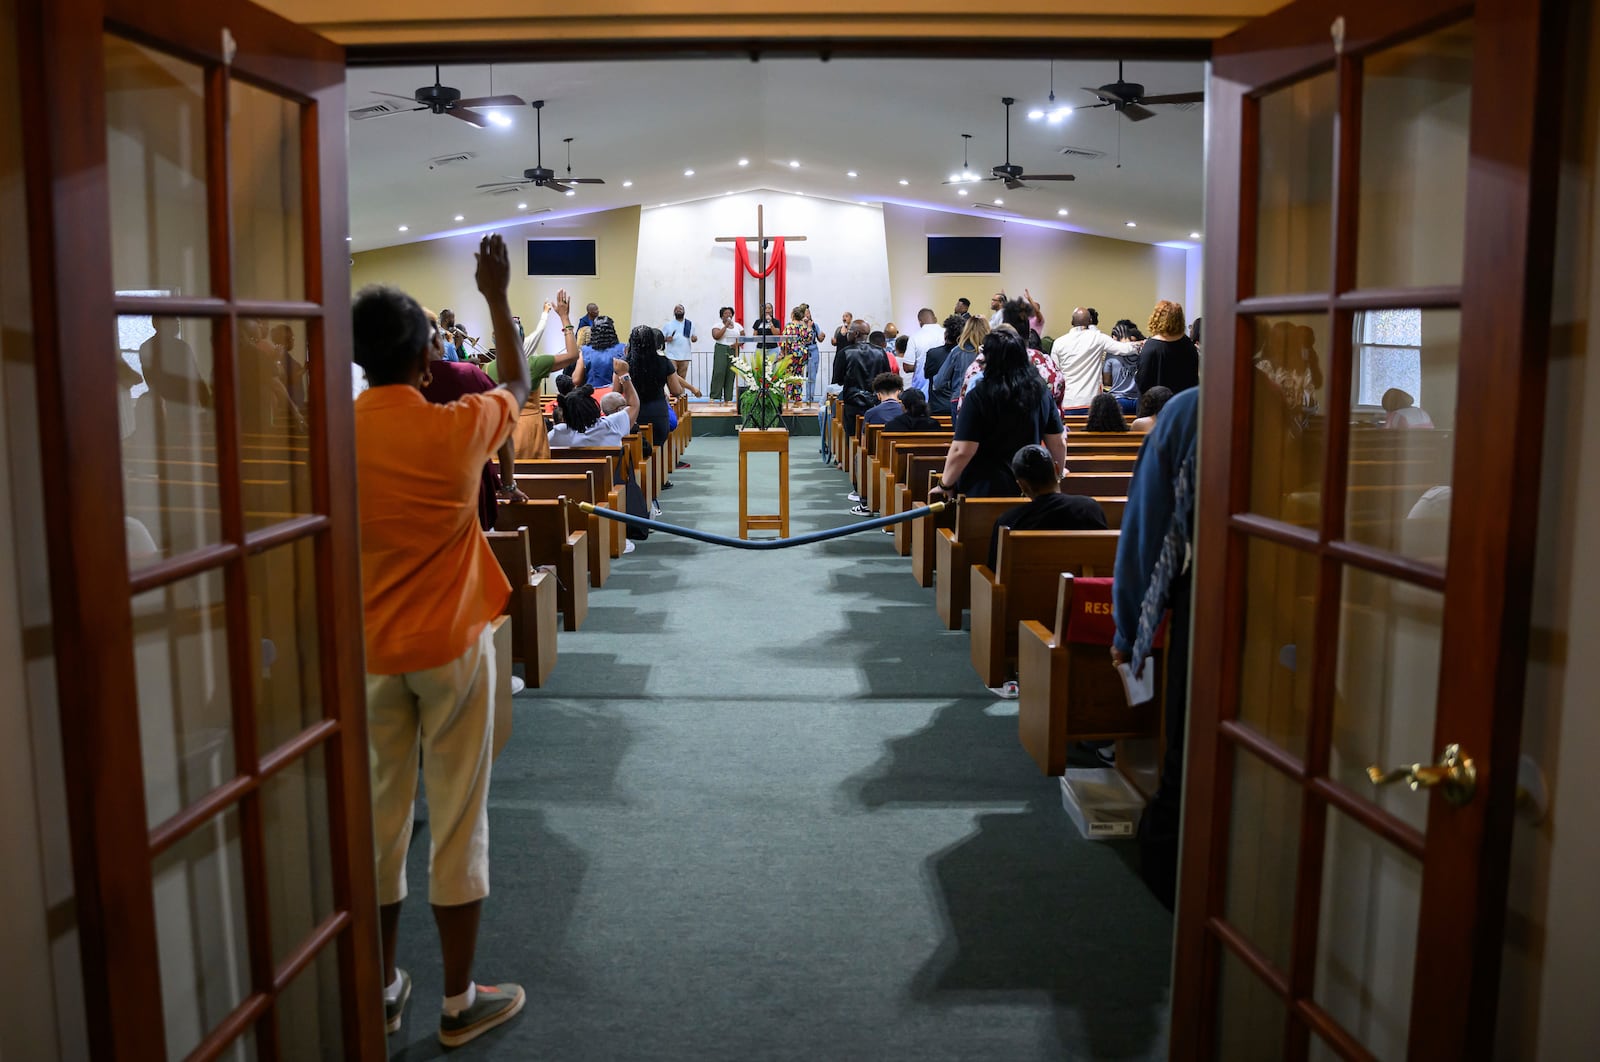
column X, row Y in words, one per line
column 777, row 268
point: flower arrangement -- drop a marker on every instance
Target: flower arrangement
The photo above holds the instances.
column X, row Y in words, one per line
column 770, row 382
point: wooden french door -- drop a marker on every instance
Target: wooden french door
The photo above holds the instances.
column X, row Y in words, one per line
column 187, row 193
column 1380, row 205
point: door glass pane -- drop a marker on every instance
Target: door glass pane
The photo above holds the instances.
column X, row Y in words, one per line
column 284, row 636
column 200, row 931
column 273, row 414
column 1250, row 1016
column 309, row 1022
column 294, row 808
column 1286, row 418
column 265, row 174
column 1388, row 684
column 1294, row 214
column 1415, row 103
column 169, row 453
column 156, row 171
column 1402, row 432
column 1275, row 672
column 1367, row 943
column 180, row 656
column 1263, row 845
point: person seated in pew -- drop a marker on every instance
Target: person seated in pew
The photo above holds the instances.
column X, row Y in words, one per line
column 1150, row 405
column 1009, row 408
column 887, row 386
column 430, row 587
column 1047, row 509
column 915, row 414
column 583, row 423
column 1403, row 411
column 1105, row 414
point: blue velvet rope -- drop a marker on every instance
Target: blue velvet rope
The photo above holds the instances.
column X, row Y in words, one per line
column 764, row 543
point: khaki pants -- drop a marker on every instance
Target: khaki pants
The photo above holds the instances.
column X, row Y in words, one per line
column 445, row 715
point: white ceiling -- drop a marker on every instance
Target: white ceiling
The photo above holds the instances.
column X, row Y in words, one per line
column 886, row 119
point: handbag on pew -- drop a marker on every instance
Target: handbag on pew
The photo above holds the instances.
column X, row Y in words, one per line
column 633, row 501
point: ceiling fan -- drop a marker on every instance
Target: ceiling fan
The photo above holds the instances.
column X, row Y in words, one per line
column 1007, row 171
column 539, row 176
column 442, row 99
column 1130, row 101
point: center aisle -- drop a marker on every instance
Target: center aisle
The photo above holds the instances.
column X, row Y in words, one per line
column 765, row 810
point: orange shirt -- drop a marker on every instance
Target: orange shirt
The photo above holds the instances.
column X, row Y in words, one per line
column 428, row 577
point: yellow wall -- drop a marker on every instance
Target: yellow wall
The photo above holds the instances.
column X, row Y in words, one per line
column 1061, row 269
column 439, row 273
column 390, row 21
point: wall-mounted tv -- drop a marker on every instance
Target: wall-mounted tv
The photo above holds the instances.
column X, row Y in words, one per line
column 561, row 258
column 963, row 254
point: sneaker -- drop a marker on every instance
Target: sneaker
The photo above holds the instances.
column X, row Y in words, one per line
column 495, row 1005
column 517, row 685
column 655, row 508
column 887, row 530
column 1006, row 692
column 393, row 1012
column 627, row 546
column 666, row 486
column 853, row 496
column 860, row 510
column 684, row 464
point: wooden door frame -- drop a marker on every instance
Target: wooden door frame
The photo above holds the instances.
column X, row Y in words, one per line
column 62, row 85
column 1510, row 206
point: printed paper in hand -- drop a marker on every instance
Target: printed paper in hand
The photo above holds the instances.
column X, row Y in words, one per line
column 1139, row 688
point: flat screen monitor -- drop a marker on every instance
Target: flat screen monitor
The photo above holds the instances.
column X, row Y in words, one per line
column 561, row 258
column 963, row 254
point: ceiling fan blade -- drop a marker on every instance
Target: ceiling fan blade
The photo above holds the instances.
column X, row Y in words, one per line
column 391, row 114
column 1012, row 184
column 470, row 117
column 582, row 180
column 1175, row 97
column 1135, row 113
column 1048, row 177
column 556, row 186
column 503, row 184
column 493, row 101
column 1106, row 94
column 393, row 96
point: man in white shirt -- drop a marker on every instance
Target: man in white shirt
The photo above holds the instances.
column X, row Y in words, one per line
column 929, row 334
column 1080, row 355
column 728, row 344
column 997, row 303
column 679, row 333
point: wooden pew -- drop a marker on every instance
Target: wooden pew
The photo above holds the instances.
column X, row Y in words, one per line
column 576, row 489
column 1024, row 587
column 1096, row 484
column 603, row 462
column 1099, row 462
column 532, row 606
column 883, row 466
column 1069, row 691
column 958, row 547
column 867, row 438
column 552, row 544
column 911, row 488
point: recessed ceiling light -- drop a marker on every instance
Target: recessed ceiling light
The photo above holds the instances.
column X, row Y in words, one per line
column 851, row 173
column 572, row 191
column 744, row 162
column 1133, row 225
column 999, row 202
column 627, row 184
column 502, row 120
column 461, row 217
column 1194, row 235
column 405, row 228
column 956, row 178
column 961, row 191
column 522, row 206
column 688, row 173
column 1035, row 114
column 1062, row 212
column 904, row 181
column 347, row 239
column 794, row 164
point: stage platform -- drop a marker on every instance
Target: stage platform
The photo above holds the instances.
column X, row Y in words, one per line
column 719, row 418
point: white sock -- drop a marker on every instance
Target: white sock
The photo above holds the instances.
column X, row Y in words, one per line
column 392, row 993
column 454, row 1005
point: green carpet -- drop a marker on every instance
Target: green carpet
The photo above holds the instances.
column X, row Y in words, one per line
column 765, row 810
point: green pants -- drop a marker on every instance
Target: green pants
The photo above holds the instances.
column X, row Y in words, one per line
column 721, row 389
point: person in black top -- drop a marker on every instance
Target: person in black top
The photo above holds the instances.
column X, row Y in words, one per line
column 915, row 416
column 1105, row 414
column 1047, row 509
column 887, row 386
column 933, row 360
column 1008, row 409
column 863, row 363
column 1169, row 357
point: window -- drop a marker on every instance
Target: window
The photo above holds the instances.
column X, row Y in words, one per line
column 1388, row 354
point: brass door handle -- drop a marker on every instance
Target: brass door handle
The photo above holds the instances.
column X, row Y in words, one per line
column 1455, row 775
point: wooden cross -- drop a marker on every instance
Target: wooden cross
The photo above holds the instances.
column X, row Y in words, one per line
column 761, row 239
